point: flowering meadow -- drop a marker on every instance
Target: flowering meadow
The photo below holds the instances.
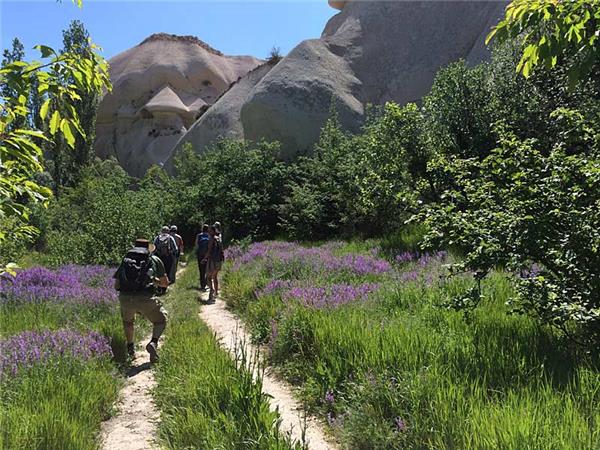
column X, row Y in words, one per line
column 380, row 356
column 60, row 336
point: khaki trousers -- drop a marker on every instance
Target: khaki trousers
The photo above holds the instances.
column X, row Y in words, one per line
column 148, row 305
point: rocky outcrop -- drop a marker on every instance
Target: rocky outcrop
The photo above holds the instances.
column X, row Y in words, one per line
column 222, row 120
column 370, row 52
column 160, row 88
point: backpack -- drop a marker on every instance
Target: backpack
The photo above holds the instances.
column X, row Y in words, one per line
column 203, row 239
column 217, row 250
column 133, row 271
column 164, row 245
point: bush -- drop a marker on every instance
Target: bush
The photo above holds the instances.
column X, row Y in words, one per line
column 98, row 220
column 535, row 211
column 238, row 183
column 354, row 182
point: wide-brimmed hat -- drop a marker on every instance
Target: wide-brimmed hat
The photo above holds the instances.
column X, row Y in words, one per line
column 142, row 243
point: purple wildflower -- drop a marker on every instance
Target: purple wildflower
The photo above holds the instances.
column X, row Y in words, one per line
column 274, row 286
column 330, row 296
column 422, row 259
column 91, row 285
column 329, row 397
column 330, row 419
column 293, row 259
column 37, row 347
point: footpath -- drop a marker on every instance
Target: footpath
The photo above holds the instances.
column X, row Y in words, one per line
column 136, row 422
column 135, row 425
column 230, row 332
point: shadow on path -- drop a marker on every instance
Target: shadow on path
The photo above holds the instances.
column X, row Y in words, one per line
column 134, row 370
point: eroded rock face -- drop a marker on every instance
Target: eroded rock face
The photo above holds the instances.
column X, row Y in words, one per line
column 160, row 88
column 222, row 120
column 370, row 52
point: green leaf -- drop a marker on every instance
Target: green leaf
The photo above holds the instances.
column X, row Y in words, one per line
column 65, row 127
column 54, row 122
column 37, row 134
column 44, row 109
column 45, row 50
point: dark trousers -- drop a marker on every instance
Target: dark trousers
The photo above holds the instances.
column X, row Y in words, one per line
column 168, row 262
column 202, row 269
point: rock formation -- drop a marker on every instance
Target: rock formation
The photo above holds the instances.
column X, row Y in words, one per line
column 160, row 88
column 370, row 52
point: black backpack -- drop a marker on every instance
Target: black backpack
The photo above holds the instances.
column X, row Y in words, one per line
column 133, row 271
column 217, row 250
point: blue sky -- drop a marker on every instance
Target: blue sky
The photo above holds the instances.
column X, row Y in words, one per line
column 234, row 27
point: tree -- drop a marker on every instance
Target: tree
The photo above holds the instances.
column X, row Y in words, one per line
column 534, row 211
column 16, row 53
column 76, row 39
column 552, row 31
column 67, row 164
column 20, row 151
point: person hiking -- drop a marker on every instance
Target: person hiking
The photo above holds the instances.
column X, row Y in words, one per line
column 201, row 248
column 165, row 248
column 135, row 279
column 179, row 242
column 214, row 260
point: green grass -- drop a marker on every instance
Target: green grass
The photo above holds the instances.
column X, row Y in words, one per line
column 207, row 400
column 60, row 407
column 488, row 380
column 62, row 404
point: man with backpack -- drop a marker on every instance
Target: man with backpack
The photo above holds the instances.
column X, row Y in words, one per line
column 201, row 248
column 136, row 278
column 179, row 242
column 165, row 248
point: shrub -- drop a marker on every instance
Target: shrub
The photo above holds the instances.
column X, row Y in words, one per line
column 535, row 211
column 98, row 220
column 354, row 182
column 241, row 184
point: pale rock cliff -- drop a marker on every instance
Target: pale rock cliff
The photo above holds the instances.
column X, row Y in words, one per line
column 160, row 88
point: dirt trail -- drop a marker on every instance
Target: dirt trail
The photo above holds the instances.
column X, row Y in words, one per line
column 134, row 427
column 230, row 331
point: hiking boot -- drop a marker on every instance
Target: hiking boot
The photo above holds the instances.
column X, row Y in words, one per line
column 211, row 296
column 151, row 348
column 131, row 351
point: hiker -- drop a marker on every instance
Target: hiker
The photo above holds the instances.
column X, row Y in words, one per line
column 201, row 248
column 218, row 228
column 136, row 278
column 214, row 260
column 179, row 242
column 165, row 248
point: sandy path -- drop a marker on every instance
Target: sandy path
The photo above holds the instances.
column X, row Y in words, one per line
column 230, row 331
column 134, row 427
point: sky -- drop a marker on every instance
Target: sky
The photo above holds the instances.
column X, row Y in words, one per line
column 242, row 27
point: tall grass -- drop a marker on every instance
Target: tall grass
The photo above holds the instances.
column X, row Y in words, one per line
column 207, row 399
column 400, row 370
column 58, row 407
column 58, row 402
